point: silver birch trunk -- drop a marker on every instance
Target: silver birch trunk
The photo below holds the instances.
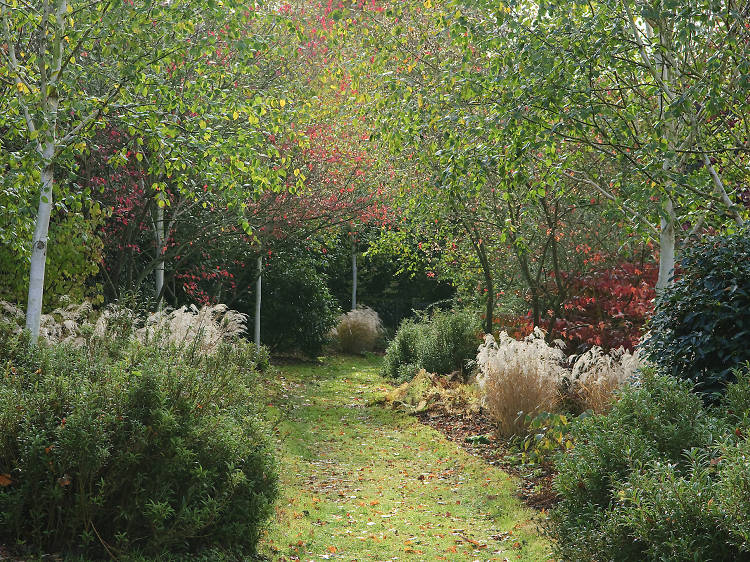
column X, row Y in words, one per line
column 159, row 253
column 354, row 275
column 667, row 247
column 258, row 289
column 39, row 245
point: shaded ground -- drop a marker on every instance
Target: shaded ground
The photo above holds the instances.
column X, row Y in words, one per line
column 363, row 482
column 535, row 488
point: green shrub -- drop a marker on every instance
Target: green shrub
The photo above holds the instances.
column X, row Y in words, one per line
column 298, row 310
column 403, row 350
column 654, row 479
column 449, row 342
column 155, row 450
column 701, row 325
column 445, row 342
column 547, row 435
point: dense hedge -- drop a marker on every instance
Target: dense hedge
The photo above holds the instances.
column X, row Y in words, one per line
column 142, row 448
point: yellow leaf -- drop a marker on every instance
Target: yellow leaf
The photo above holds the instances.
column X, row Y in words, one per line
column 235, row 115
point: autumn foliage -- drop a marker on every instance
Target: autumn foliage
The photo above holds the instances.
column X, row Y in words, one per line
column 607, row 307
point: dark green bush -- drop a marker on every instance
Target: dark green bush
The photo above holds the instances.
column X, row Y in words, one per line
column 701, row 325
column 444, row 342
column 402, row 350
column 152, row 451
column 660, row 477
column 298, row 310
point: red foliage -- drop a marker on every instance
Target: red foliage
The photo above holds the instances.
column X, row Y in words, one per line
column 607, row 307
column 610, row 306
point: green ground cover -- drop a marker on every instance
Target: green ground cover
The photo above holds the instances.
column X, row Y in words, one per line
column 361, row 482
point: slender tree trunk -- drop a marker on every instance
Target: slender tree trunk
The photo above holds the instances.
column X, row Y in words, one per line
column 159, row 254
column 258, row 289
column 489, row 310
column 354, row 275
column 489, row 285
column 666, row 247
column 39, row 246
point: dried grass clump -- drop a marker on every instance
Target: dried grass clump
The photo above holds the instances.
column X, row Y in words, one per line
column 519, row 378
column 523, row 378
column 12, row 314
column 62, row 325
column 204, row 328
column 359, row 330
column 430, row 392
column 596, row 376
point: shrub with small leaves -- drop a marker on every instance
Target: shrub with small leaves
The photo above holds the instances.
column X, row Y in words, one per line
column 653, row 479
column 151, row 450
column 701, row 324
column 441, row 343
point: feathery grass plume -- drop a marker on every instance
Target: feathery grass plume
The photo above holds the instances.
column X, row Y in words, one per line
column 519, row 378
column 596, row 375
column 202, row 329
column 358, row 330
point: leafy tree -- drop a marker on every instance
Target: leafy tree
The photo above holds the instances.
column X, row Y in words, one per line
column 71, row 64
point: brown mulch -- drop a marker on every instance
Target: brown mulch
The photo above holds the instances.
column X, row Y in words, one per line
column 536, row 487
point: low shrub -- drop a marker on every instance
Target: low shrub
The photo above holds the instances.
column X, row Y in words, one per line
column 298, row 310
column 449, row 342
column 401, row 354
column 442, row 343
column 359, row 330
column 701, row 324
column 148, row 451
column 547, row 435
column 660, row 477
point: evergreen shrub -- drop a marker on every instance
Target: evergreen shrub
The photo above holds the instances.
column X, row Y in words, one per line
column 149, row 451
column 442, row 343
column 662, row 476
column 701, row 324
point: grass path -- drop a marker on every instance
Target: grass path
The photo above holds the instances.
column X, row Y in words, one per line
column 362, row 482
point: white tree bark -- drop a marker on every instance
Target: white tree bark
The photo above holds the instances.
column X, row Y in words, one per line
column 159, row 234
column 667, row 243
column 258, row 290
column 39, row 246
column 354, row 275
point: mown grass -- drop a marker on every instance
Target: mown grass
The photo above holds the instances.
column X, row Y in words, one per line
column 361, row 482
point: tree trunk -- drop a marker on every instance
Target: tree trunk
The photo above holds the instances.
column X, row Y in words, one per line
column 159, row 234
column 666, row 248
column 39, row 246
column 258, row 288
column 354, row 275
